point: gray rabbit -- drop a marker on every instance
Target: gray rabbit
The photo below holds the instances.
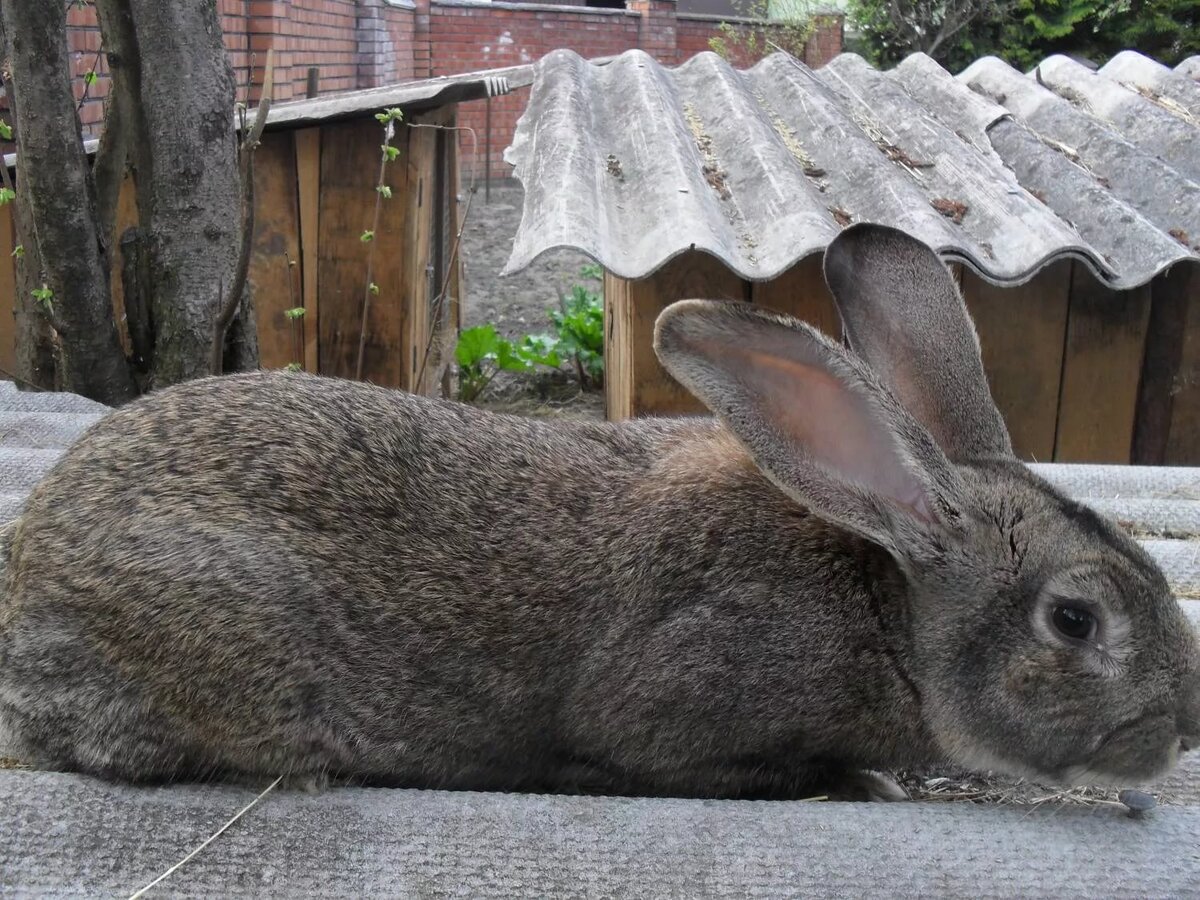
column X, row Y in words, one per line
column 845, row 571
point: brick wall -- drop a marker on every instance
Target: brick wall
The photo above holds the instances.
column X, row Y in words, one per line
column 363, row 43
column 466, row 35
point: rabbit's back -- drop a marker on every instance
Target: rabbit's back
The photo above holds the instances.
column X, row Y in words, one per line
column 271, row 561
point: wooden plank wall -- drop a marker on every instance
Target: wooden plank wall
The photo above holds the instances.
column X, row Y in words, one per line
column 314, row 197
column 1167, row 430
column 635, row 382
column 1024, row 365
column 1080, row 373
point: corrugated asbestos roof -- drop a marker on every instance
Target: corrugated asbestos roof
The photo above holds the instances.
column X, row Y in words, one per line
column 419, row 94
column 412, row 96
column 634, row 163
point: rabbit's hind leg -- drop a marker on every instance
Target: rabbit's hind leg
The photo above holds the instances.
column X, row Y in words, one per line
column 114, row 740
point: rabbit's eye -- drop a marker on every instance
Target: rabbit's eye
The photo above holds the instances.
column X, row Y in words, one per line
column 1073, row 622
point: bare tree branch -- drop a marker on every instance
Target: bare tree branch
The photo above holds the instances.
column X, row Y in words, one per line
column 927, row 26
column 230, row 304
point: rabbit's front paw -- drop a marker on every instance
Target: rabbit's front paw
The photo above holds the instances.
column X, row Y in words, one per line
column 863, row 785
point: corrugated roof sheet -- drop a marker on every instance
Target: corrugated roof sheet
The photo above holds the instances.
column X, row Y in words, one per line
column 418, row 94
column 634, row 163
column 411, row 96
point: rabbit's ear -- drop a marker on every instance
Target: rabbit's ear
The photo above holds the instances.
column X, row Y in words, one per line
column 813, row 416
column 904, row 316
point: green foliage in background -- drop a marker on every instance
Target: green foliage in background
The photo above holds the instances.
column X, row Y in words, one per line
column 578, row 338
column 1024, row 32
column 579, row 327
column 791, row 25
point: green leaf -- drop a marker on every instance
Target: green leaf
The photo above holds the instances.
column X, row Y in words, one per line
column 90, row 78
column 373, row 288
column 294, row 367
column 390, row 152
column 296, row 312
column 592, row 271
column 579, row 327
column 476, row 345
column 508, row 359
column 5, row 130
column 367, row 236
column 539, row 350
column 19, row 251
column 384, row 191
column 7, row 195
column 44, row 296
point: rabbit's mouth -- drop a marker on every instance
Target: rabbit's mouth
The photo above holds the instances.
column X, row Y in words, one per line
column 1140, row 750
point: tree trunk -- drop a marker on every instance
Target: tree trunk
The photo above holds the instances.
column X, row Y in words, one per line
column 55, row 184
column 34, row 343
column 184, row 151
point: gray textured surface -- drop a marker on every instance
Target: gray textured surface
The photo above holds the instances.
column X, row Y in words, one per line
column 410, row 95
column 634, row 163
column 1112, row 481
column 69, row 836
column 85, row 838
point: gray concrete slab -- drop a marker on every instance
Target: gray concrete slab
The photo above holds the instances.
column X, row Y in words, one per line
column 75, row 837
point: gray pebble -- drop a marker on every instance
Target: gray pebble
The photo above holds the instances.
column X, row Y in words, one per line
column 1138, row 802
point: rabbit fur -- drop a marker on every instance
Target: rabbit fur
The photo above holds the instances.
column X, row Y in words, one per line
column 845, row 570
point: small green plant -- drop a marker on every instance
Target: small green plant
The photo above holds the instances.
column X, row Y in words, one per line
column 482, row 354
column 579, row 325
column 44, row 296
column 388, row 118
column 7, row 195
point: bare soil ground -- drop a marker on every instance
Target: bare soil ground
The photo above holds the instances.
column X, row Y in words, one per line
column 517, row 305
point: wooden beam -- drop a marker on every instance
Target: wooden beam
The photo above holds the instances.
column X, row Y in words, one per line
column 273, row 282
column 1183, row 443
column 635, row 383
column 1102, row 366
column 801, row 292
column 618, row 360
column 308, row 182
column 420, row 166
column 1022, row 331
column 452, row 320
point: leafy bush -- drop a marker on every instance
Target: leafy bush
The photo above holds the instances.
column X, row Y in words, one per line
column 580, row 334
column 1023, row 32
column 789, row 26
column 482, row 354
